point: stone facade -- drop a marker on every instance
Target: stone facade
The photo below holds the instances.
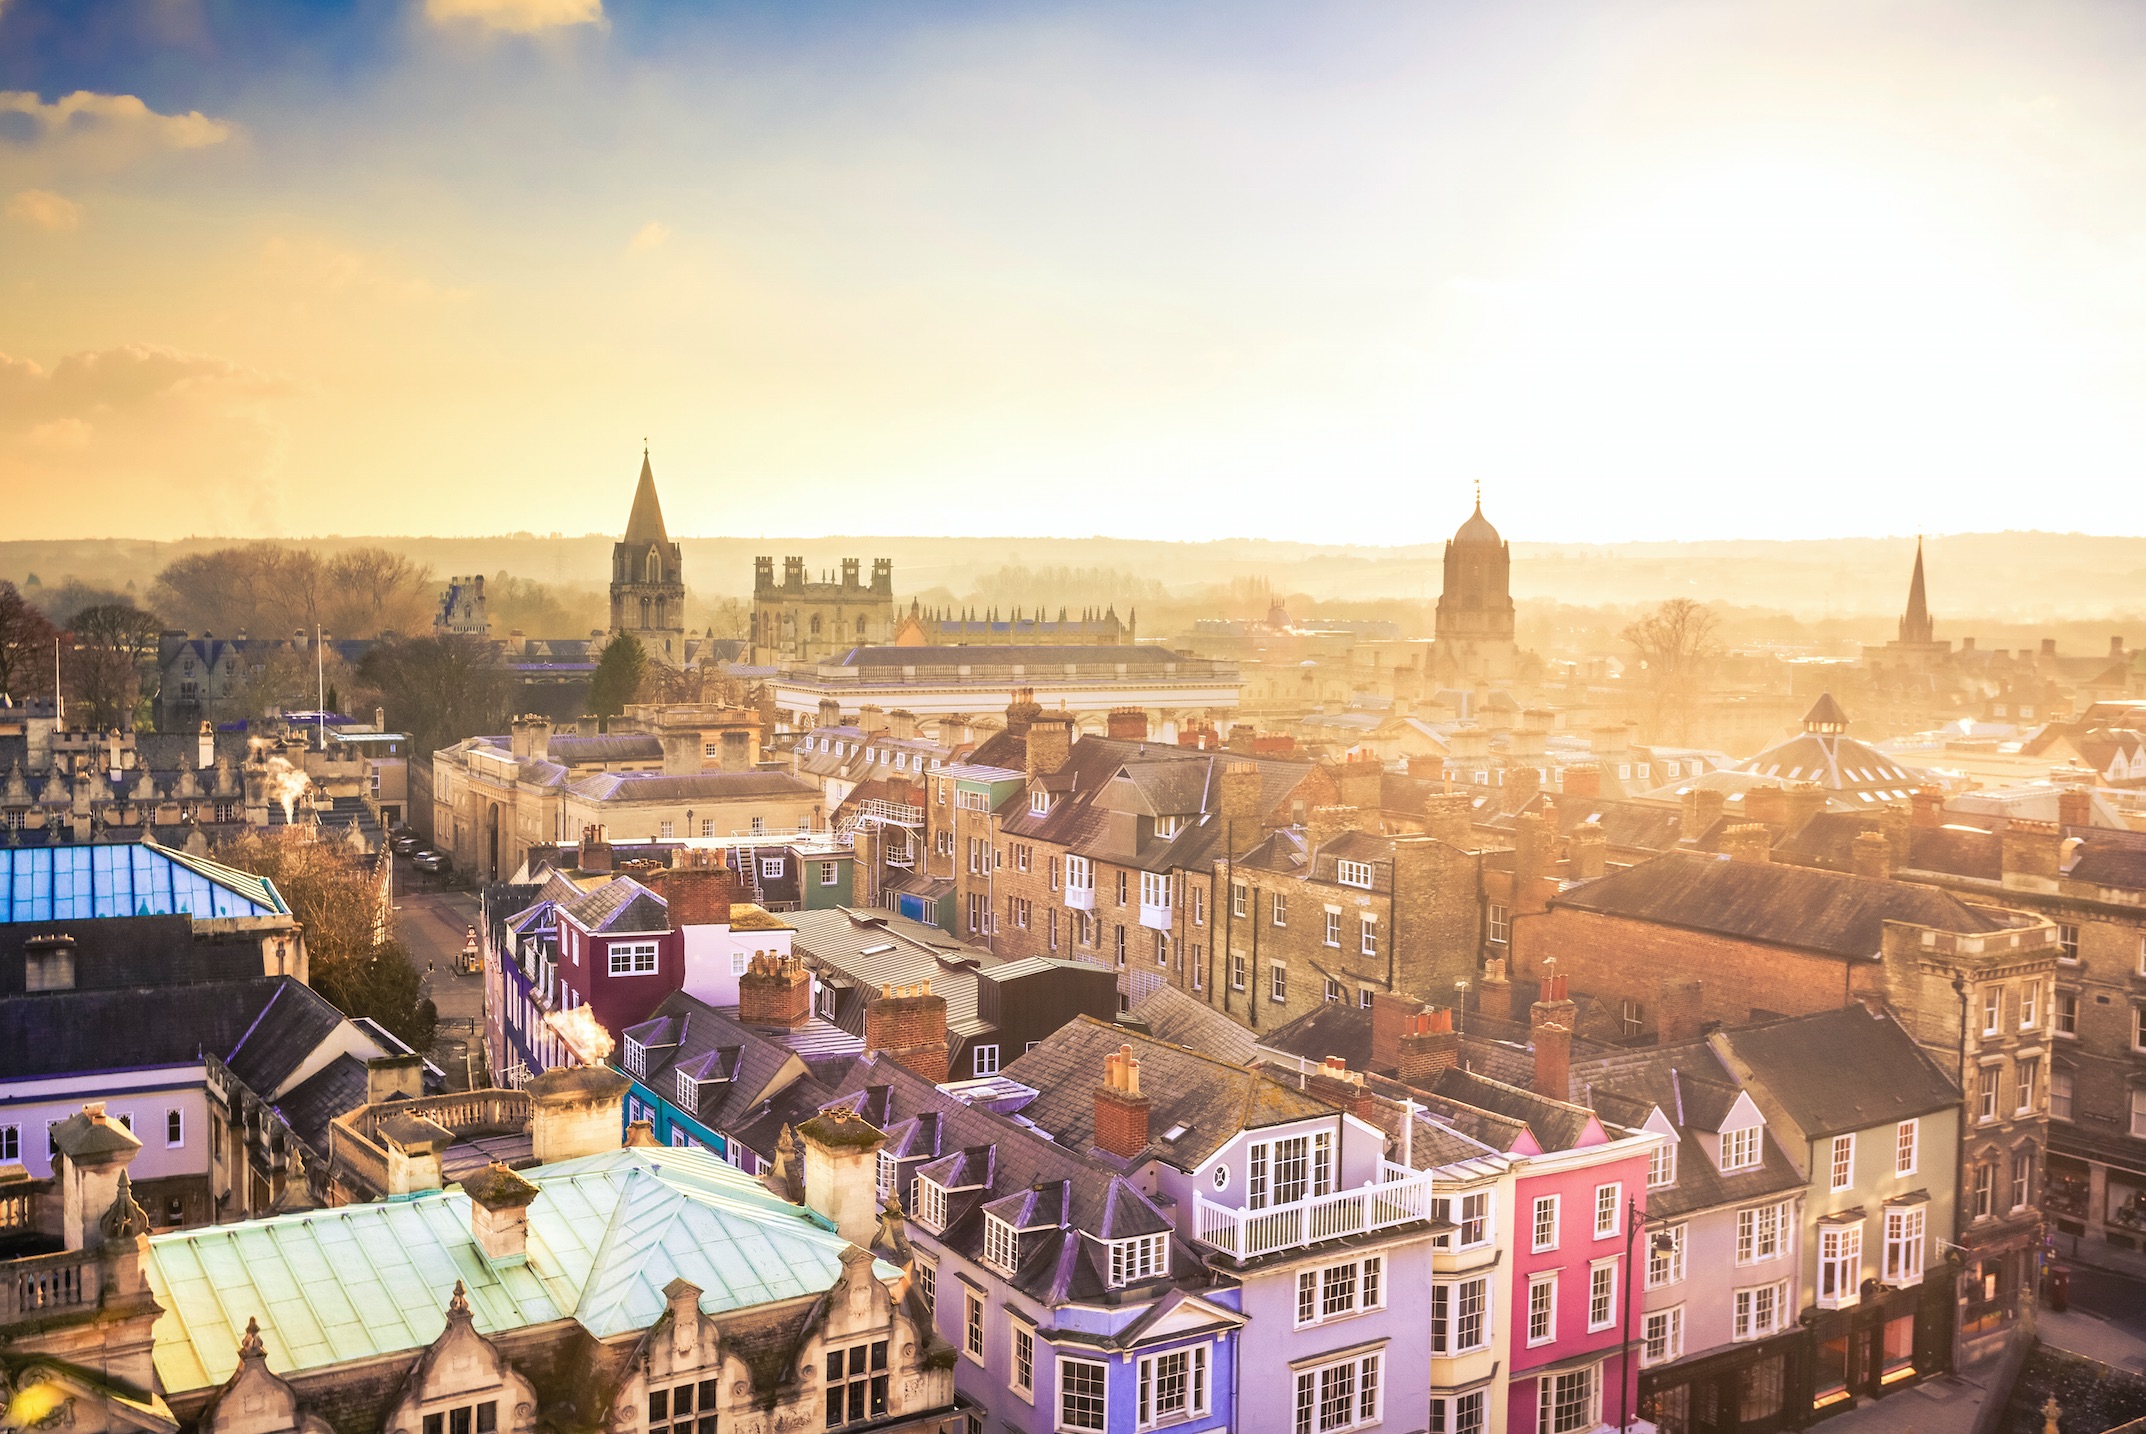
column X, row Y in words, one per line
column 648, row 585
column 800, row 621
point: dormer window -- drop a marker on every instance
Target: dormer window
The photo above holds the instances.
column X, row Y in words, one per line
column 931, row 1203
column 688, row 1094
column 1167, row 827
column 1662, row 1166
column 1354, row 873
column 1002, row 1245
column 887, row 1176
column 636, row 1057
column 1039, row 801
column 1144, row 1258
column 1740, row 1149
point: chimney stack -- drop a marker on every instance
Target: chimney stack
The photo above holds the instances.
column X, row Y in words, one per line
column 1333, row 1082
column 1748, row 842
column 1050, row 743
column 1926, row 807
column 576, row 1111
column 499, row 1202
column 1429, row 1047
column 1682, row 1013
column 830, row 712
column 1766, row 804
column 696, row 896
column 1871, row 855
column 2030, row 855
column 1450, row 817
column 1121, row 1111
column 595, row 848
column 1581, row 780
column 1494, row 993
column 1360, row 783
column 1237, row 801
column 907, row 1024
column 1325, row 823
column 91, row 1153
column 413, row 1144
column 394, row 1078
column 1804, row 800
column 902, row 724
column 1390, row 1015
column 1702, row 808
column 1590, row 851
column 1522, row 785
column 841, row 1172
column 2075, row 807
column 1551, row 1020
column 1127, row 724
column 776, row 990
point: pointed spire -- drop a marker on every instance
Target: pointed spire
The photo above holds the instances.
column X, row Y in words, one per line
column 458, row 1304
column 250, row 1346
column 645, row 525
column 1916, row 626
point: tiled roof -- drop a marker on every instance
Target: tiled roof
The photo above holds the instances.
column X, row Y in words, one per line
column 1801, row 907
column 692, row 786
column 606, row 1234
column 67, row 1032
column 574, row 751
column 1212, row 1099
column 619, row 905
column 1872, row 1073
column 288, row 1031
column 1176, row 1017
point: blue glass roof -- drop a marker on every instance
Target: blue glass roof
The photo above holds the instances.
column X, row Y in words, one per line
column 61, row 883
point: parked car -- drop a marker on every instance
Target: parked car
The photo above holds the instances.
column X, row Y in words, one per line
column 404, row 845
column 431, row 861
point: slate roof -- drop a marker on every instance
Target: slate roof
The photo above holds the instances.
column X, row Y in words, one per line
column 335, row 1089
column 751, row 1070
column 1337, row 1028
column 1872, row 1073
column 1690, row 1086
column 1174, row 1016
column 606, row 1233
column 1801, row 907
column 289, row 1029
column 116, row 951
column 1555, row 1124
column 1626, row 825
column 873, row 947
column 2108, row 862
column 1957, row 851
column 1212, row 1099
column 620, row 905
column 573, row 750
column 70, row 1032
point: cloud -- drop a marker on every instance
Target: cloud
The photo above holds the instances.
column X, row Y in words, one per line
column 42, row 209
column 155, row 441
column 520, row 17
column 87, row 130
column 650, row 236
column 312, row 268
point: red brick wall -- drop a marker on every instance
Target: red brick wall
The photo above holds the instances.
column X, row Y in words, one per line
column 1613, row 958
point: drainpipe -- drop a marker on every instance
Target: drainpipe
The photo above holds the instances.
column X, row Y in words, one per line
column 1393, row 918
column 1229, row 908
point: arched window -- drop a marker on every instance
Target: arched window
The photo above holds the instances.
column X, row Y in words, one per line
column 644, row 612
column 655, row 567
column 860, row 627
column 815, row 624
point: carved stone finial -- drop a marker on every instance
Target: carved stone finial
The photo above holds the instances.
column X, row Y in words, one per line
column 125, row 1219
column 458, row 1304
column 2050, row 1410
column 250, row 1346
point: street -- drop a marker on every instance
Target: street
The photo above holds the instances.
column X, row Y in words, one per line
column 432, row 925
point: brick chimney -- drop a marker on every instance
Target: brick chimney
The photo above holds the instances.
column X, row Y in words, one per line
column 1450, row 817
column 1590, row 851
column 1323, row 824
column 2031, row 853
column 1926, row 807
column 1121, row 1111
column 1050, row 743
column 499, row 1202
column 1333, row 1082
column 576, row 1111
column 1804, row 801
column 1429, row 1046
column 1871, row 855
column 1702, row 808
column 1522, row 785
column 1582, row 781
column 1494, row 993
column 1748, row 842
column 830, row 712
column 1551, row 1020
column 595, row 848
column 1237, row 799
column 1390, row 1015
column 1359, row 783
column 1127, row 724
column 907, row 1024
column 1534, row 841
column 1766, row 804
column 775, row 990
column 2075, row 806
column 841, row 1172
column 696, row 896
column 1681, row 1014
column 902, row 724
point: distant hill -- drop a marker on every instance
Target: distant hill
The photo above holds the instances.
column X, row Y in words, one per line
column 1991, row 578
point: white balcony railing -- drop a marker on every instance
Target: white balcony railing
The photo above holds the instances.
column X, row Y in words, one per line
column 1081, row 898
column 1398, row 1197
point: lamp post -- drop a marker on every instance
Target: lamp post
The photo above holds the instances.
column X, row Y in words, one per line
column 1662, row 1242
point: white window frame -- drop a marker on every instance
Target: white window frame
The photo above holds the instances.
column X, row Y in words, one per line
column 1501, row 924
column 1743, row 1149
column 1368, row 934
column 1609, row 1202
column 1465, row 1413
column 1840, row 1167
column 174, row 1129
column 1762, row 1233
column 1760, row 1311
column 1002, row 1245
column 1144, row 1257
column 2030, row 1005
column 1278, row 983
column 983, row 1059
column 770, row 868
column 1449, row 1321
column 1333, row 929
column 1907, row 1146
column 931, row 1203
column 1101, row 1371
column 1353, row 873
column 1840, row 1258
column 1539, row 1240
column 632, row 953
column 1542, row 1310
column 1601, row 1302
column 1021, row 1357
column 974, row 1316
column 1906, row 1235
column 1662, row 1166
column 1366, row 1387
column 1199, row 1374
column 1340, row 1290
column 1588, row 1414
column 1278, row 908
column 1666, row 1346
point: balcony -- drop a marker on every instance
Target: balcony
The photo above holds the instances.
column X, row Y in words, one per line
column 1157, row 918
column 1080, row 898
column 1399, row 1197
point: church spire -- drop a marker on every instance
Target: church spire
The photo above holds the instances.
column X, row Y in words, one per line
column 1916, row 626
column 646, row 523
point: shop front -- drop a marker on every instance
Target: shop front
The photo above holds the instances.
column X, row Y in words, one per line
column 1755, row 1388
column 1890, row 1340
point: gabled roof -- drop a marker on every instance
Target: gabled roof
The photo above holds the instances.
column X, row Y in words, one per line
column 690, row 786
column 1802, row 907
column 69, row 1032
column 1176, row 1017
column 1871, row 1072
column 1692, row 1091
column 1211, row 1099
column 606, row 1234
column 288, row 1031
column 620, row 905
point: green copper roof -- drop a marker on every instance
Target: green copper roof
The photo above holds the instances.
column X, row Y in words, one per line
column 606, row 1234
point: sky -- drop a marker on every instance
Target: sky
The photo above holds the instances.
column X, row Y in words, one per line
column 1656, row 269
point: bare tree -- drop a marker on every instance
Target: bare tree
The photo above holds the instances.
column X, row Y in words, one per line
column 113, row 643
column 1675, row 641
column 25, row 646
column 228, row 591
column 375, row 590
column 438, row 689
